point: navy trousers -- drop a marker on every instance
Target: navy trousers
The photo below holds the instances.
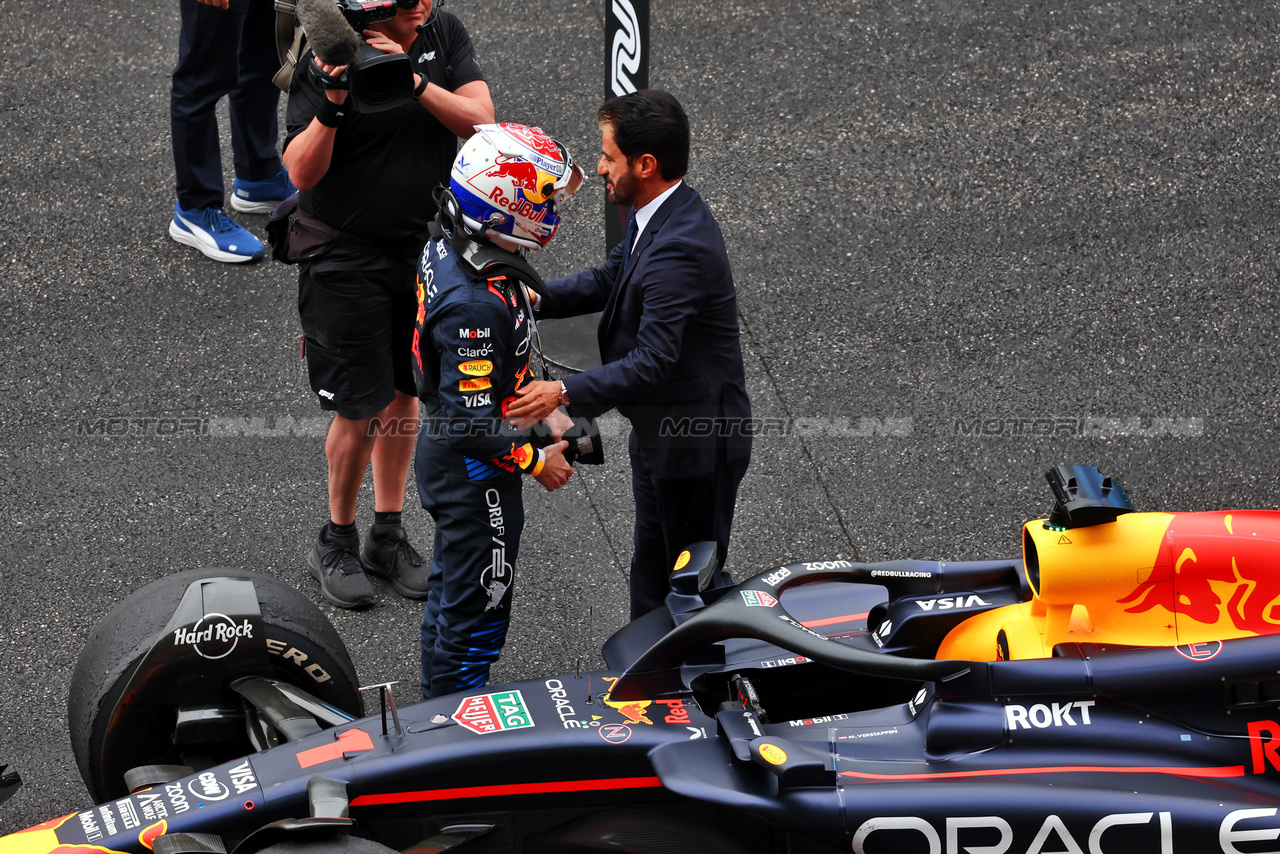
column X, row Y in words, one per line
column 468, row 610
column 224, row 52
column 671, row 514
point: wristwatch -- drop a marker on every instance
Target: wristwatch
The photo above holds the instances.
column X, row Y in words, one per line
column 564, row 394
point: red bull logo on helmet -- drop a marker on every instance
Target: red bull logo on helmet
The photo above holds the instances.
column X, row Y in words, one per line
column 523, row 174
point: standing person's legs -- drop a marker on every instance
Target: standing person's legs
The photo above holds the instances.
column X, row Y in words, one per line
column 347, row 317
column 348, row 449
column 387, row 552
column 672, row 514
column 254, row 99
column 208, row 64
column 649, row 567
column 468, row 610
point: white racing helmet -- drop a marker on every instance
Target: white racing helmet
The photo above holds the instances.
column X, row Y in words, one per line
column 511, row 183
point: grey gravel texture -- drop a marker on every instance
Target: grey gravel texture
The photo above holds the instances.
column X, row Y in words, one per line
column 972, row 240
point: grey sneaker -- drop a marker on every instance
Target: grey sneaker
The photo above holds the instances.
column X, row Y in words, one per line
column 390, row 556
column 337, row 567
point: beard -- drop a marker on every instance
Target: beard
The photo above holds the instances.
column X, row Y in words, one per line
column 622, row 191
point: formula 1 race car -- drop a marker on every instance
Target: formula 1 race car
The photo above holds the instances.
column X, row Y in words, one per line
column 1116, row 690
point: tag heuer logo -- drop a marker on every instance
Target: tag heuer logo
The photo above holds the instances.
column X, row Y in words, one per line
column 758, row 599
column 493, row 713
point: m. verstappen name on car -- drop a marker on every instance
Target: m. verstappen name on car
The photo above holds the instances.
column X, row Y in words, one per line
column 879, row 733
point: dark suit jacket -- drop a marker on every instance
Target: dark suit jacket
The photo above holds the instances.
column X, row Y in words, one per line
column 669, row 340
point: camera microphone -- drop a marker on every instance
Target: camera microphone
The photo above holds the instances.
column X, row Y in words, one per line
column 332, row 39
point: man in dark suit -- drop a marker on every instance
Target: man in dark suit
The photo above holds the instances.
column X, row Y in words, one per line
column 669, row 342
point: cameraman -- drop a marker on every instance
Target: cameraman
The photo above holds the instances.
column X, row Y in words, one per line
column 368, row 178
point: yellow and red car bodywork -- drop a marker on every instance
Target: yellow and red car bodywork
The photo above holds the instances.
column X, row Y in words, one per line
column 1145, row 579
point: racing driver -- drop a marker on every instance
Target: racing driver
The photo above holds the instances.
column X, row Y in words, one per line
column 471, row 351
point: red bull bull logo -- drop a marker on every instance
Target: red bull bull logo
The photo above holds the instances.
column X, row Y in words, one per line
column 1148, row 579
column 634, row 711
column 1224, row 575
column 522, row 174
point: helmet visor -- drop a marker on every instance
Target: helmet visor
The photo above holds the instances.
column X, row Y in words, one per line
column 568, row 183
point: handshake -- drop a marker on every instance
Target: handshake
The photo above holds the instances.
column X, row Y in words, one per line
column 582, row 434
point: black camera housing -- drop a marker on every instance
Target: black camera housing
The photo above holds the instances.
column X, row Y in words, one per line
column 362, row 14
column 377, row 81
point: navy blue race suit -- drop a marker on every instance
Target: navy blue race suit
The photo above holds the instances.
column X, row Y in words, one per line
column 470, row 353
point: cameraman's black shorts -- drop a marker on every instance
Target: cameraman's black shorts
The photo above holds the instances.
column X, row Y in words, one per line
column 359, row 331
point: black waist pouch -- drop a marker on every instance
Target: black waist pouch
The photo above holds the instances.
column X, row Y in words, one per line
column 296, row 236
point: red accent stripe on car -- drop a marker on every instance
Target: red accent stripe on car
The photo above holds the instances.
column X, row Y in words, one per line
column 552, row 786
column 829, row 621
column 1173, row 770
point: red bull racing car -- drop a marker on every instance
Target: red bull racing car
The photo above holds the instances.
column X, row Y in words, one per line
column 1116, row 690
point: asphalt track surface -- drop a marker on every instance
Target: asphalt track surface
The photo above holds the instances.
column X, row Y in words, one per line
column 972, row 240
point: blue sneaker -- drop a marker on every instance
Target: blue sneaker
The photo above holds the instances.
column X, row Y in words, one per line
column 212, row 232
column 261, row 197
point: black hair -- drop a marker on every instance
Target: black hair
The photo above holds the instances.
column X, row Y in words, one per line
column 649, row 122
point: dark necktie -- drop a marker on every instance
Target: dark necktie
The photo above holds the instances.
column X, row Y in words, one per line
column 629, row 239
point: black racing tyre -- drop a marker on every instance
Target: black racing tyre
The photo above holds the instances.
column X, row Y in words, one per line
column 306, row 652
column 335, row 844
